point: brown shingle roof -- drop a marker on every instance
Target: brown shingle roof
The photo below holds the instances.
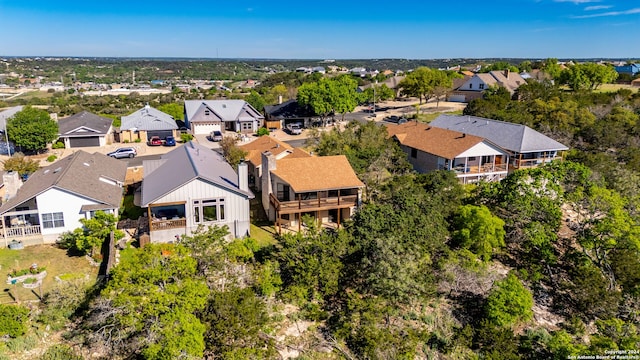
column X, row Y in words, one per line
column 437, row 141
column 317, row 173
column 255, row 149
column 82, row 173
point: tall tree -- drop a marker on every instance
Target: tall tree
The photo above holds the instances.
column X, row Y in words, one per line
column 423, row 81
column 32, row 129
column 587, row 76
column 478, row 230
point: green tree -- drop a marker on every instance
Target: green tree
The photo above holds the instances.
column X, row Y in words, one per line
column 551, row 67
column 89, row 238
column 174, row 109
column 587, row 76
column 231, row 152
column 21, row 164
column 478, row 230
column 381, row 92
column 327, row 96
column 423, row 81
column 509, row 302
column 13, row 320
column 32, row 129
column 256, row 100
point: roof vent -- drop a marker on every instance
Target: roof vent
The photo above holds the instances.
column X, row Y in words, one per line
column 224, row 106
column 85, row 164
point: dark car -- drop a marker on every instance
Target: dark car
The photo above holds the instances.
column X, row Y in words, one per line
column 170, row 141
column 127, row 152
column 154, row 141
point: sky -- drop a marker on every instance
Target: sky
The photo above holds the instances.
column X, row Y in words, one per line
column 329, row 29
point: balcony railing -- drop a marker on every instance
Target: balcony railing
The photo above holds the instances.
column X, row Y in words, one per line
column 530, row 163
column 21, row 231
column 314, row 204
column 158, row 224
column 480, row 169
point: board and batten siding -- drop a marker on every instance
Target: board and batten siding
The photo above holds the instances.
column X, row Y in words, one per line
column 236, row 208
column 69, row 204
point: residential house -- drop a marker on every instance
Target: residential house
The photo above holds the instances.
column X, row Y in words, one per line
column 629, row 69
column 279, row 149
column 192, row 186
column 54, row 199
column 205, row 116
column 85, row 129
column 475, row 86
column 429, row 148
column 526, row 147
column 145, row 123
column 324, row 187
column 289, row 112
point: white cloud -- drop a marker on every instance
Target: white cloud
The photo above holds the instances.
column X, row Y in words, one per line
column 577, row 2
column 610, row 13
column 597, row 7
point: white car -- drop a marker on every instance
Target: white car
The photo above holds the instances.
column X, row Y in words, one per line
column 295, row 129
column 127, row 152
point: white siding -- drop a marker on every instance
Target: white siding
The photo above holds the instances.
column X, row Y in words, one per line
column 237, row 214
column 482, row 149
column 54, row 201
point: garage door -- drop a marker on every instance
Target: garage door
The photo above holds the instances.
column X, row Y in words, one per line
column 457, row 98
column 205, row 128
column 84, row 141
column 160, row 133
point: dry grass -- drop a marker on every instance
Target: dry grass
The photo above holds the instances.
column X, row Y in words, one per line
column 616, row 87
column 56, row 261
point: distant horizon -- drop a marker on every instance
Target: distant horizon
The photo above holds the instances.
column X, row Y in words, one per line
column 248, row 29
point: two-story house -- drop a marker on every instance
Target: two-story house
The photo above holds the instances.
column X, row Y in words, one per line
column 475, row 86
column 429, row 148
column 54, row 199
column 527, row 147
column 323, row 187
column 205, row 116
column 192, row 186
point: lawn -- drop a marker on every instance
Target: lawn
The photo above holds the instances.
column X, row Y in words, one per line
column 56, row 261
column 263, row 234
column 615, row 87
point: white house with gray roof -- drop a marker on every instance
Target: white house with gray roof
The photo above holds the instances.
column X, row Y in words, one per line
column 54, row 199
column 527, row 147
column 192, row 186
column 145, row 123
column 205, row 116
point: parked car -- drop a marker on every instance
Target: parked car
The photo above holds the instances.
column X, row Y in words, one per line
column 395, row 119
column 216, row 135
column 127, row 152
column 295, row 129
column 170, row 141
column 154, row 141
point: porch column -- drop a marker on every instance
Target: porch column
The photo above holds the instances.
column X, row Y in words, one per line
column 278, row 222
column 466, row 161
column 299, row 221
column 4, row 233
column 339, row 215
column 149, row 218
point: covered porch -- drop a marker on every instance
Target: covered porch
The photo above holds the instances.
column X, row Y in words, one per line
column 167, row 216
column 23, row 225
column 475, row 168
column 534, row 159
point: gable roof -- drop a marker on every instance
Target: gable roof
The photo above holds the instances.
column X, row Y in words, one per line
column 317, row 173
column 5, row 114
column 513, row 137
column 227, row 110
column 148, row 118
column 83, row 174
column 509, row 80
column 440, row 142
column 286, row 110
column 255, row 149
column 184, row 164
column 94, row 124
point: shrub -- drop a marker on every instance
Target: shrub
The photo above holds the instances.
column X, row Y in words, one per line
column 51, row 158
column 60, row 352
column 138, row 140
column 263, row 131
column 184, row 137
column 23, row 343
column 126, row 141
column 57, row 145
column 13, row 320
column 509, row 302
column 21, row 164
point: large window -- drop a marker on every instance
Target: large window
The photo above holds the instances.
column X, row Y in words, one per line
column 208, row 210
column 247, row 126
column 53, row 220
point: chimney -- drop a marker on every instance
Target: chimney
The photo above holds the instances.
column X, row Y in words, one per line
column 12, row 182
column 243, row 176
column 279, row 99
column 268, row 164
column 506, row 73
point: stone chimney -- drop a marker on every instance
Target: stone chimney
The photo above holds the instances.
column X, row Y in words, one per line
column 268, row 164
column 243, row 176
column 12, row 182
column 279, row 99
column 506, row 73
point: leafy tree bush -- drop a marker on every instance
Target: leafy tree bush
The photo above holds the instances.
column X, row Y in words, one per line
column 89, row 238
column 185, row 137
column 478, row 230
column 13, row 320
column 58, row 145
column 60, row 352
column 263, row 132
column 32, row 129
column 21, row 164
column 509, row 302
column 51, row 158
column 231, row 152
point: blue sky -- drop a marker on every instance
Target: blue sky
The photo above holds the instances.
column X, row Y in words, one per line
column 329, row 29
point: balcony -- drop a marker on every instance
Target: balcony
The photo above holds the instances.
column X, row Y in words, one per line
column 480, row 169
column 167, row 224
column 531, row 163
column 326, row 203
column 21, row 231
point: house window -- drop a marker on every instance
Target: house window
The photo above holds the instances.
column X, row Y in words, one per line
column 472, row 158
column 470, row 86
column 52, row 220
column 481, row 86
column 208, row 210
column 207, row 112
column 282, row 193
column 414, row 153
column 247, row 126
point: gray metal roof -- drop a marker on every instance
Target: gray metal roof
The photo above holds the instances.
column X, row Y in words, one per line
column 92, row 123
column 4, row 115
column 513, row 137
column 83, row 174
column 184, row 164
column 227, row 110
column 147, row 119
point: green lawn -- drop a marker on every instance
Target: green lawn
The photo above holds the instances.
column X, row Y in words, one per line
column 56, row 261
column 263, row 234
